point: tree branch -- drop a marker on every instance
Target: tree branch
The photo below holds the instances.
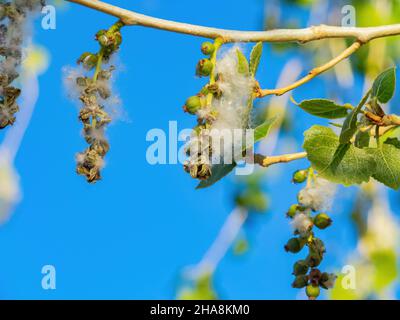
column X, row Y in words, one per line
column 363, row 35
column 313, row 73
column 268, row 161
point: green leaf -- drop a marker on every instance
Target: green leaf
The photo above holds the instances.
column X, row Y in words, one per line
column 255, row 58
column 324, row 108
column 387, row 158
column 219, row 171
column 362, row 139
column 243, row 64
column 384, row 85
column 339, row 163
column 263, row 129
column 260, row 132
column 350, row 124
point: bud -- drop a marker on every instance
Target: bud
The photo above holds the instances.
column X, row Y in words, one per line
column 204, row 68
column 300, row 282
column 88, row 60
column 294, row 245
column 322, row 221
column 207, row 48
column 312, row 292
column 192, row 105
column 300, row 176
column 300, row 268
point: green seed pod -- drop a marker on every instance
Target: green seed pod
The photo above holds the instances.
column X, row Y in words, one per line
column 300, row 282
column 300, row 267
column 312, row 292
column 294, row 245
column 103, row 38
column 193, row 104
column 88, row 60
column 292, row 211
column 207, row 48
column 300, row 176
column 204, row 68
column 322, row 221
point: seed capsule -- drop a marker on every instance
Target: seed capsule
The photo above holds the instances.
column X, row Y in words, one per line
column 294, row 245
column 312, row 292
column 300, row 267
column 204, row 68
column 193, row 104
column 207, row 48
column 88, row 60
column 292, row 211
column 314, row 260
column 322, row 221
column 300, row 282
column 300, row 176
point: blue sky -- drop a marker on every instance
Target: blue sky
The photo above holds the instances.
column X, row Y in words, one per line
column 130, row 235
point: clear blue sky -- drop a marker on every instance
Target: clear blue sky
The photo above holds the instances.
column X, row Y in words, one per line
column 130, row 235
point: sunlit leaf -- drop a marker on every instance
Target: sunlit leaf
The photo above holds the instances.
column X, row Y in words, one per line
column 384, row 86
column 339, row 163
column 255, row 58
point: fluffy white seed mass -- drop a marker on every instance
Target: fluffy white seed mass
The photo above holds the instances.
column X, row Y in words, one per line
column 318, row 195
column 231, row 109
column 301, row 223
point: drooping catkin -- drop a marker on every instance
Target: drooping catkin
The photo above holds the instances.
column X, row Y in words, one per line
column 13, row 18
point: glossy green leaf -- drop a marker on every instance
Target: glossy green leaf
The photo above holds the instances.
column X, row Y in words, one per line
column 324, row 108
column 350, row 124
column 384, row 85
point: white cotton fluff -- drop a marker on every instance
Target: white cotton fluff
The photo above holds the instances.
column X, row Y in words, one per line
column 318, row 195
column 232, row 107
column 70, row 74
column 301, row 223
column 112, row 105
